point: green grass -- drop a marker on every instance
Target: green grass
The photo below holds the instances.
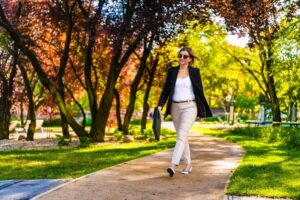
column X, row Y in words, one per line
column 72, row 163
column 268, row 169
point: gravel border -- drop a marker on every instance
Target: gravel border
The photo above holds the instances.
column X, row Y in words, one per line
column 41, row 143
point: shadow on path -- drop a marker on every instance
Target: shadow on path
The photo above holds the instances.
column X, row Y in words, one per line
column 146, row 178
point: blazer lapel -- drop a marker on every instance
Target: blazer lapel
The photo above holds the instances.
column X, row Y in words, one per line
column 174, row 76
column 173, row 80
column 192, row 76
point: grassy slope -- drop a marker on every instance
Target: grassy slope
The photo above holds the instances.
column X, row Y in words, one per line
column 267, row 169
column 72, row 163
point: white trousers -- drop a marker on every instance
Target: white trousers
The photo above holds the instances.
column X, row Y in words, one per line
column 183, row 116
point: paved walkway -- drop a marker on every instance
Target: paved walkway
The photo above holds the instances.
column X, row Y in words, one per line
column 146, row 178
column 26, row 189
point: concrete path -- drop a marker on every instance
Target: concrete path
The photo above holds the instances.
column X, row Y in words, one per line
column 146, row 178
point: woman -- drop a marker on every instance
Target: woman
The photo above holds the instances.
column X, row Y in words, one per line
column 186, row 101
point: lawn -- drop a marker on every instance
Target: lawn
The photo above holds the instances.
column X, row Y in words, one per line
column 76, row 162
column 268, row 169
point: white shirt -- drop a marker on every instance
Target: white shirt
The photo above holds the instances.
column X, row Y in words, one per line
column 183, row 90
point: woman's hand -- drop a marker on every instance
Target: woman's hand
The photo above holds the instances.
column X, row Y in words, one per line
column 201, row 119
column 159, row 108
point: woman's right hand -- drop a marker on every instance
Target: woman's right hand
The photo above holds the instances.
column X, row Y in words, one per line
column 159, row 108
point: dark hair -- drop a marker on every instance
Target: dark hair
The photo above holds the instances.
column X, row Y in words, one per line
column 191, row 54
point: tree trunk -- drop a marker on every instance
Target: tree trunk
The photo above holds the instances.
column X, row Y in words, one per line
column 271, row 86
column 64, row 125
column 146, row 106
column 31, row 109
column 274, row 100
column 22, row 109
column 63, row 64
column 118, row 61
column 129, row 110
column 5, row 101
column 4, row 117
column 31, row 115
column 64, row 122
column 135, row 84
column 79, row 106
column 98, row 125
column 5, row 113
column 91, row 92
column 118, row 109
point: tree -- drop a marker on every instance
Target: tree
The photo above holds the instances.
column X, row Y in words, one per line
column 123, row 24
column 137, row 79
column 261, row 21
column 127, row 23
column 22, row 43
column 287, row 61
column 8, row 72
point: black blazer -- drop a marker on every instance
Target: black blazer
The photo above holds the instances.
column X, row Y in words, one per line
column 168, row 91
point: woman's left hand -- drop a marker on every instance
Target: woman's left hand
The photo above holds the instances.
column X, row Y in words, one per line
column 201, row 119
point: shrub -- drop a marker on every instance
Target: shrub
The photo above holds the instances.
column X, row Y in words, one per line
column 215, row 118
column 292, row 137
column 62, row 140
column 257, row 132
column 134, row 130
column 243, row 116
column 52, row 122
column 84, row 142
column 169, row 118
column 289, row 136
column 146, row 134
column 136, row 121
column 118, row 135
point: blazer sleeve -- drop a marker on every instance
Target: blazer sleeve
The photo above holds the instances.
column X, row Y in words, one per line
column 208, row 112
column 166, row 90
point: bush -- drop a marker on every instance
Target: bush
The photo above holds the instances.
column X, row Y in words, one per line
column 136, row 121
column 62, row 140
column 292, row 137
column 147, row 134
column 135, row 131
column 52, row 122
column 257, row 132
column 215, row 118
column 84, row 142
column 57, row 122
column 169, row 118
column 243, row 117
column 289, row 136
column 118, row 135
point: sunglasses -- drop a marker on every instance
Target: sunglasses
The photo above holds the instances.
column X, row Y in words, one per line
column 183, row 56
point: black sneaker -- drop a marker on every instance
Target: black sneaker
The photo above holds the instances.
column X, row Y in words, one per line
column 171, row 171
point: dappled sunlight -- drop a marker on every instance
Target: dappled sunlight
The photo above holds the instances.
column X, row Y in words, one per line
column 223, row 164
column 71, row 163
column 76, row 72
column 268, row 169
column 41, row 163
column 268, row 185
